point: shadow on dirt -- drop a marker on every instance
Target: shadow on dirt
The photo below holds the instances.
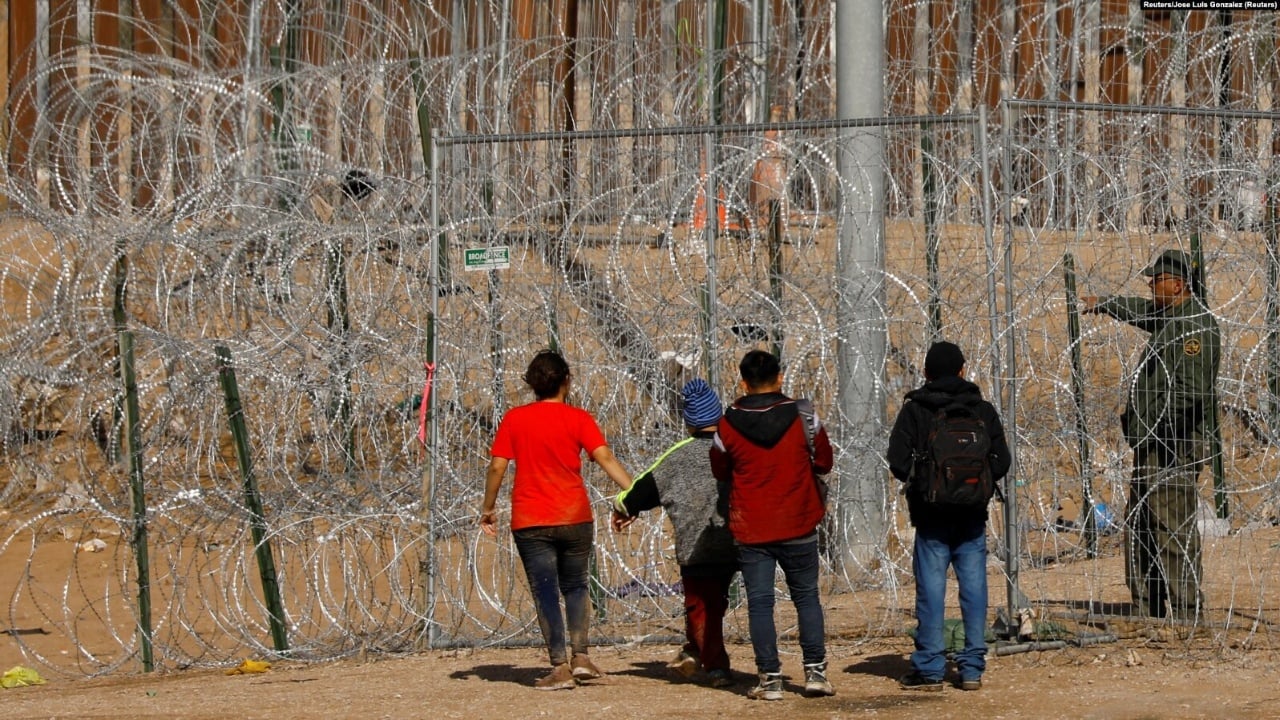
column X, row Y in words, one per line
column 888, row 666
column 502, row 673
column 658, row 670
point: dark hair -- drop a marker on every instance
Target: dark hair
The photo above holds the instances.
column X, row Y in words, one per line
column 547, row 372
column 759, row 368
column 944, row 359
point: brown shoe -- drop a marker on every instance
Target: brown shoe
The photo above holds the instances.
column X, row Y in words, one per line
column 583, row 668
column 560, row 678
column 685, row 664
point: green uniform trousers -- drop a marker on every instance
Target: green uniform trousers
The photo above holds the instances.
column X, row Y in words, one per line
column 1162, row 542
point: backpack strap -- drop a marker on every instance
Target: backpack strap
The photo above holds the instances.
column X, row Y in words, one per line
column 808, row 420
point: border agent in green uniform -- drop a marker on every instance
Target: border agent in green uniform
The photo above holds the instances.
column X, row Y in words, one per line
column 1171, row 409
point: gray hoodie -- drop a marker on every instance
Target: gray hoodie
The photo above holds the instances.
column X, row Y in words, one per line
column 681, row 482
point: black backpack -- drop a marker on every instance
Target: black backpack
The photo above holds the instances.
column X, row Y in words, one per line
column 954, row 468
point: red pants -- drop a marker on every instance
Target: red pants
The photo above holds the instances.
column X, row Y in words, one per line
column 706, row 598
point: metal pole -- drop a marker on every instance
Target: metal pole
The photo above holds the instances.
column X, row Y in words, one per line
column 711, row 228
column 502, row 108
column 862, row 343
column 931, row 239
column 1272, row 234
column 775, row 274
column 137, row 487
column 1006, row 392
column 988, row 237
column 1077, row 392
column 710, row 231
column 429, row 503
column 762, row 94
column 253, row 501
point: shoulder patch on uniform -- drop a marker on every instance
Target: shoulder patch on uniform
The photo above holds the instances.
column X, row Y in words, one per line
column 1191, row 346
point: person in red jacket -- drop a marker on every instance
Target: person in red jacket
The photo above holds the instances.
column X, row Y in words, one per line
column 771, row 449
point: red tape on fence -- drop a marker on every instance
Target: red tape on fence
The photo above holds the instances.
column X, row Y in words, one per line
column 426, row 398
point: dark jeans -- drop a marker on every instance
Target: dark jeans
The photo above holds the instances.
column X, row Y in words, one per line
column 799, row 563
column 556, row 561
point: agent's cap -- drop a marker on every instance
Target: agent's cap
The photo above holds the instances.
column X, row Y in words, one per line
column 944, row 359
column 1170, row 262
column 701, row 404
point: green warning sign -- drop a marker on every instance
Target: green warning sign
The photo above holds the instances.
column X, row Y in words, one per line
column 492, row 258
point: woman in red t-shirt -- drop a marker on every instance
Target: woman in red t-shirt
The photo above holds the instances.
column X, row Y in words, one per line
column 551, row 520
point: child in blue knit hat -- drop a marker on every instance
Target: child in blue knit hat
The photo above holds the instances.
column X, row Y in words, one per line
column 681, row 482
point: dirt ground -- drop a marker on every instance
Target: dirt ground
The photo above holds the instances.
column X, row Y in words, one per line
column 1143, row 670
column 1114, row 681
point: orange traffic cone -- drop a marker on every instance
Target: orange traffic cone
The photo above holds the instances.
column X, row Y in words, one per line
column 699, row 221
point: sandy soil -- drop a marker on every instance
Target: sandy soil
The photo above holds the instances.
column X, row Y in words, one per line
column 1142, row 670
column 1150, row 680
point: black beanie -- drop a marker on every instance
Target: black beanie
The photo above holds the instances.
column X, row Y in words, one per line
column 943, row 360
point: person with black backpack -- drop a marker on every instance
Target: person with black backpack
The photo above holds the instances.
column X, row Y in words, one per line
column 948, row 447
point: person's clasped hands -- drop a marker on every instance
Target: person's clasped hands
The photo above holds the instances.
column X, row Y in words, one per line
column 620, row 521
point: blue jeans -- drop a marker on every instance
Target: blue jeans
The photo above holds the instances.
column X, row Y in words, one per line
column 556, row 561
column 963, row 547
column 799, row 563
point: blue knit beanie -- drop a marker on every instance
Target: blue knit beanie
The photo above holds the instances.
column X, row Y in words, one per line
column 701, row 404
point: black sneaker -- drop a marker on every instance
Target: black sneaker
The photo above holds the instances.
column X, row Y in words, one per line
column 971, row 684
column 916, row 681
column 719, row 678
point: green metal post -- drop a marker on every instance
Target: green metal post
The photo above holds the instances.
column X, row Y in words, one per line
column 118, row 318
column 595, row 589
column 721, row 24
column 1077, row 391
column 253, row 500
column 138, row 538
column 704, row 320
column 426, row 574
